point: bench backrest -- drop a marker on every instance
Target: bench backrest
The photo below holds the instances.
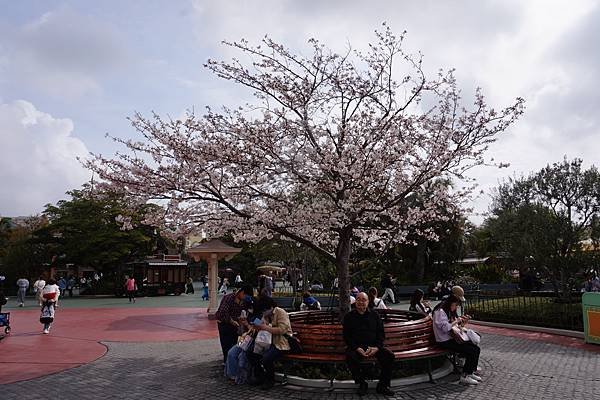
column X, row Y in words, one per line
column 287, row 303
column 328, row 301
column 321, row 332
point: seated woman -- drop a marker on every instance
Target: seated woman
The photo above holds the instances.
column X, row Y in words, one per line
column 374, row 301
column 418, row 304
column 309, row 303
column 446, row 323
column 237, row 367
column 277, row 322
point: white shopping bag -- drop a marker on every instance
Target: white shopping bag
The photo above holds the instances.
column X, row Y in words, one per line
column 262, row 342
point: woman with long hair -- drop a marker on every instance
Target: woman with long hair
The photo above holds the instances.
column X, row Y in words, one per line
column 418, row 304
column 446, row 328
column 374, row 301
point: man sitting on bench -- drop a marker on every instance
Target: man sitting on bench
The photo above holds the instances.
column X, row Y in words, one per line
column 364, row 335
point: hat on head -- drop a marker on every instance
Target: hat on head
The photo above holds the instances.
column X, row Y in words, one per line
column 309, row 301
column 458, row 292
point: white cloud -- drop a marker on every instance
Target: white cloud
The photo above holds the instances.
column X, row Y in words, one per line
column 38, row 163
column 542, row 50
column 62, row 53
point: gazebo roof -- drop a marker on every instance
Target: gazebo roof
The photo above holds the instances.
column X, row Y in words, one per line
column 213, row 246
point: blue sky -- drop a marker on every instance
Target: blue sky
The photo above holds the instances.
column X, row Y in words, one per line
column 70, row 71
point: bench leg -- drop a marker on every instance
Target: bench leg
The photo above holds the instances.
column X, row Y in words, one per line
column 333, row 374
column 454, row 359
column 429, row 371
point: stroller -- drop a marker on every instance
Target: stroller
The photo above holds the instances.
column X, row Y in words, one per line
column 5, row 321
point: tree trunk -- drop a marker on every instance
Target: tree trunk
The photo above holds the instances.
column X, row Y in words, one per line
column 342, row 257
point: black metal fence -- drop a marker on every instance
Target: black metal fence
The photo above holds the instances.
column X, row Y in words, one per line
column 535, row 310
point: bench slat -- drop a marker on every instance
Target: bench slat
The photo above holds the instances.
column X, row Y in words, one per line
column 408, row 335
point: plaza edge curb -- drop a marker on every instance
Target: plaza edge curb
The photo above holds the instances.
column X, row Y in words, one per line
column 540, row 329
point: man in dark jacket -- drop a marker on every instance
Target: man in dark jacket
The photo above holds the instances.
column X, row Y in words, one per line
column 364, row 336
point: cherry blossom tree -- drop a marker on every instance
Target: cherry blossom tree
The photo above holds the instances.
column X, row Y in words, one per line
column 328, row 155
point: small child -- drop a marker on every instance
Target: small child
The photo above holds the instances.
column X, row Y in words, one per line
column 205, row 292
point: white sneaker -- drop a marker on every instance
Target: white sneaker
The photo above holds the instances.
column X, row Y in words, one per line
column 467, row 380
column 46, row 331
column 476, row 377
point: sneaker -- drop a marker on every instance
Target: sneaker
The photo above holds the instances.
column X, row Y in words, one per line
column 46, row 331
column 476, row 377
column 467, row 380
column 363, row 388
column 384, row 390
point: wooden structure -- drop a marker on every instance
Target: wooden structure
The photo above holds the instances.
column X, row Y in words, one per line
column 211, row 252
column 408, row 335
column 158, row 275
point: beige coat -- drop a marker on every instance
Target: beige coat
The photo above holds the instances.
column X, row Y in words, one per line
column 281, row 325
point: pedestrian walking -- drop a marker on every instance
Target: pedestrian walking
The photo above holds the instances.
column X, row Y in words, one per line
column 62, row 285
column 189, row 286
column 205, row 291
column 23, row 285
column 387, row 283
column 50, row 295
column 70, row 285
column 224, row 286
column 38, row 286
column 131, row 288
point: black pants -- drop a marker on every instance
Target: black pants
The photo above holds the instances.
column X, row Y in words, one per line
column 131, row 295
column 468, row 349
column 228, row 335
column 386, row 363
column 264, row 366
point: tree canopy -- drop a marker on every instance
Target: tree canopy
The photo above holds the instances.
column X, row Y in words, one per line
column 542, row 220
column 327, row 155
column 91, row 229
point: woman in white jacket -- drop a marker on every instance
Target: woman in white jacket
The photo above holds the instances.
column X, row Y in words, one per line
column 374, row 301
column 50, row 295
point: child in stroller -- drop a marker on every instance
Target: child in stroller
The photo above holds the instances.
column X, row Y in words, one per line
column 4, row 317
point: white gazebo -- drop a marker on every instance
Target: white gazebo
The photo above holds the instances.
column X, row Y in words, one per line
column 211, row 252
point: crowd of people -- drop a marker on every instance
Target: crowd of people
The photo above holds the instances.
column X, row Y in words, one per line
column 254, row 332
column 47, row 293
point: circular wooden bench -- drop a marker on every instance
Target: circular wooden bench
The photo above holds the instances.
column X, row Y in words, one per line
column 408, row 335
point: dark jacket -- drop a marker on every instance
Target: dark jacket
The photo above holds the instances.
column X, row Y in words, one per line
column 386, row 282
column 363, row 330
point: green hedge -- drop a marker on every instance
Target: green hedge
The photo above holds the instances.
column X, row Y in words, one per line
column 526, row 310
